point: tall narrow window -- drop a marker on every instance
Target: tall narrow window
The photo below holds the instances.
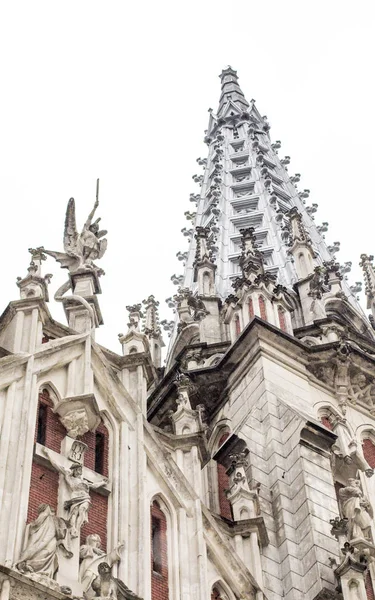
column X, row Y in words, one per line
column 251, row 308
column 282, row 320
column 156, row 545
column 326, row 422
column 262, row 308
column 159, row 554
column 99, row 452
column 237, row 325
column 223, row 484
column 42, row 424
column 369, row 452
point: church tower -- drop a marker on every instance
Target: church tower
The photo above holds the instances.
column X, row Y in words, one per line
column 244, row 467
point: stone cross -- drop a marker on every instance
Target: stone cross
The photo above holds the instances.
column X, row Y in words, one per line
column 75, row 484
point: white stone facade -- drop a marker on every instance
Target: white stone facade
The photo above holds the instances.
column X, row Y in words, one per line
column 252, row 446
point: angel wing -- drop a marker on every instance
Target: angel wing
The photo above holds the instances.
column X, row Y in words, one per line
column 67, row 261
column 71, row 237
column 102, row 247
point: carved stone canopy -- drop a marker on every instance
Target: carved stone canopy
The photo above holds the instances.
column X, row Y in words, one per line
column 79, row 414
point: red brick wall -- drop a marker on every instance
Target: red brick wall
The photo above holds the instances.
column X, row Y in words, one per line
column 369, row 452
column 159, row 580
column 262, row 308
column 223, row 484
column 369, row 587
column 43, row 489
column 97, row 519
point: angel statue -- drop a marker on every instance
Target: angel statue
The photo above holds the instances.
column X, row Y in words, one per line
column 81, row 249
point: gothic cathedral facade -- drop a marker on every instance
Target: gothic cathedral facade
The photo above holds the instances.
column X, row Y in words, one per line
column 244, row 467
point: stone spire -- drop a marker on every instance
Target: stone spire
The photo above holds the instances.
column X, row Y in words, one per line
column 231, row 92
column 152, row 329
column 367, row 264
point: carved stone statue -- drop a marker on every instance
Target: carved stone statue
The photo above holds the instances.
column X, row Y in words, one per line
column 80, row 249
column 357, row 509
column 106, row 586
column 91, row 555
column 42, row 538
column 79, row 503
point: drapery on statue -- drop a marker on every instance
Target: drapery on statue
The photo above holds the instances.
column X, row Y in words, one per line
column 79, row 502
column 357, row 509
column 91, row 555
column 81, row 250
column 42, row 538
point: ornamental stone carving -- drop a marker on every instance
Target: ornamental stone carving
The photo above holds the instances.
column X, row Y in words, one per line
column 43, row 537
column 357, row 509
column 76, row 423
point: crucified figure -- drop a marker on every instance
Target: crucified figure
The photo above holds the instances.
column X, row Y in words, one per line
column 79, row 488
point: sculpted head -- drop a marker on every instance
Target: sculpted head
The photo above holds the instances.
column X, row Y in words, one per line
column 76, row 470
column 93, row 540
column 45, row 507
column 104, row 568
column 352, row 482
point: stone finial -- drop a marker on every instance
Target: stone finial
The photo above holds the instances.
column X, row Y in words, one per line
column 251, row 260
column 152, row 329
column 34, row 285
column 367, row 264
column 135, row 315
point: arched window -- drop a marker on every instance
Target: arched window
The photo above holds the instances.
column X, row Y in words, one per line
column 223, row 484
column 159, row 554
column 237, row 325
column 369, row 451
column 282, row 320
column 96, row 459
column 251, row 308
column 215, row 594
column 262, row 308
column 49, row 432
column 326, row 422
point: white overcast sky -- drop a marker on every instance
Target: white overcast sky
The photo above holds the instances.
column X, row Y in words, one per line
column 120, row 91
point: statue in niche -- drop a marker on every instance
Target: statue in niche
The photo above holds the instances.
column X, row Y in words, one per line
column 106, row 586
column 357, row 509
column 79, row 488
column 81, row 249
column 42, row 539
column 91, row 555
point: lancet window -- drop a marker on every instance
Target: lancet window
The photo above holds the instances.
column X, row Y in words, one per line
column 262, row 308
column 251, row 308
column 159, row 553
column 223, row 484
